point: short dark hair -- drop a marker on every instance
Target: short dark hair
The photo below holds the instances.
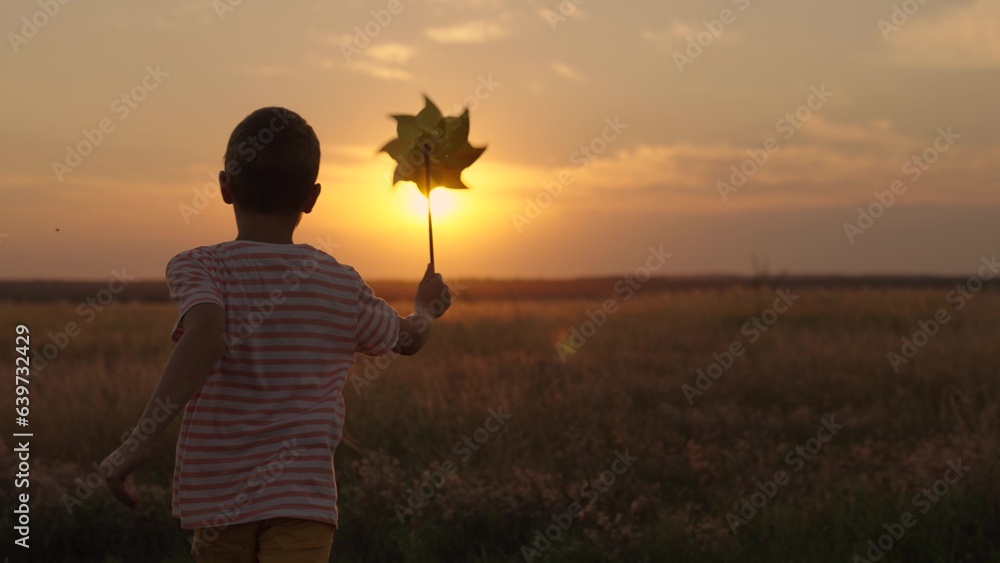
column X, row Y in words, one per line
column 272, row 161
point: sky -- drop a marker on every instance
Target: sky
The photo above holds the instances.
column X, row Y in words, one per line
column 717, row 131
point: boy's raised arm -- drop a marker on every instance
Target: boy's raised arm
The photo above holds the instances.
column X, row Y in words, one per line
column 432, row 300
column 196, row 353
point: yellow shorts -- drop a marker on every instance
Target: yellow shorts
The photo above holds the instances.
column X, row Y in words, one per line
column 277, row 540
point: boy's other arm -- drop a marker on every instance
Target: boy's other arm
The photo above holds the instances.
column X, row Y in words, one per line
column 414, row 332
column 432, row 300
column 196, row 353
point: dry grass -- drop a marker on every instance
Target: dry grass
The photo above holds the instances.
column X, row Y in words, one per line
column 621, row 390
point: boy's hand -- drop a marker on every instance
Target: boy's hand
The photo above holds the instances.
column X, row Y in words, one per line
column 433, row 297
column 120, row 464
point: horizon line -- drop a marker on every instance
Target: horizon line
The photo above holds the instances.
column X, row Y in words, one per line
column 577, row 278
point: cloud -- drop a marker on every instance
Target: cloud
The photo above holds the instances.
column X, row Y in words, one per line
column 474, row 4
column 181, row 14
column 262, row 70
column 567, row 72
column 960, row 37
column 833, row 164
column 381, row 60
column 384, row 61
column 473, row 32
column 677, row 34
column 678, row 31
column 377, row 70
column 390, row 53
column 554, row 17
column 875, row 136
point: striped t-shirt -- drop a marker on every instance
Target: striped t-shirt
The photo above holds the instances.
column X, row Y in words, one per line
column 257, row 439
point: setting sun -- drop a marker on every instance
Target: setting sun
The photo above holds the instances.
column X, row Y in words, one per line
column 443, row 202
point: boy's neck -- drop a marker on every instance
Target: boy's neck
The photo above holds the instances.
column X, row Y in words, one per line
column 276, row 229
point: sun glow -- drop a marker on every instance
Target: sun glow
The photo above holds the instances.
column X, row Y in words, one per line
column 443, row 202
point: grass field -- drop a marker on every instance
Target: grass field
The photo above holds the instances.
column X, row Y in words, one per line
column 822, row 363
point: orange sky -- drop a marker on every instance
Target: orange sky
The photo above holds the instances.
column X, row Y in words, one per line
column 634, row 113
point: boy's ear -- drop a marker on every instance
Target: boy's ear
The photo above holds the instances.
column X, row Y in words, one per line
column 227, row 195
column 311, row 199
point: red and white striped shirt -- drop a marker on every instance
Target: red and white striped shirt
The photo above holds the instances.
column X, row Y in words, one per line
column 257, row 439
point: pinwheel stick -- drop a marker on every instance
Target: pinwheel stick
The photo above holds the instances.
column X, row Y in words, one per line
column 427, row 184
column 443, row 138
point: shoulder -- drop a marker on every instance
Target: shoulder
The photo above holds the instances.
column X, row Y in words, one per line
column 198, row 255
column 343, row 272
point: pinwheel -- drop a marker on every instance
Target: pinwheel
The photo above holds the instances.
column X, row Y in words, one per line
column 431, row 150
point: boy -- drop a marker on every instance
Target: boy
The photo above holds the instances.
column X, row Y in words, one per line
column 266, row 334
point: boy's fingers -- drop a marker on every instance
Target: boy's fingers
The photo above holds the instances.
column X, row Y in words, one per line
column 429, row 273
column 115, row 481
column 118, row 490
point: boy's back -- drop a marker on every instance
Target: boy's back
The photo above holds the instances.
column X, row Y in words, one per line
column 266, row 334
column 257, row 440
